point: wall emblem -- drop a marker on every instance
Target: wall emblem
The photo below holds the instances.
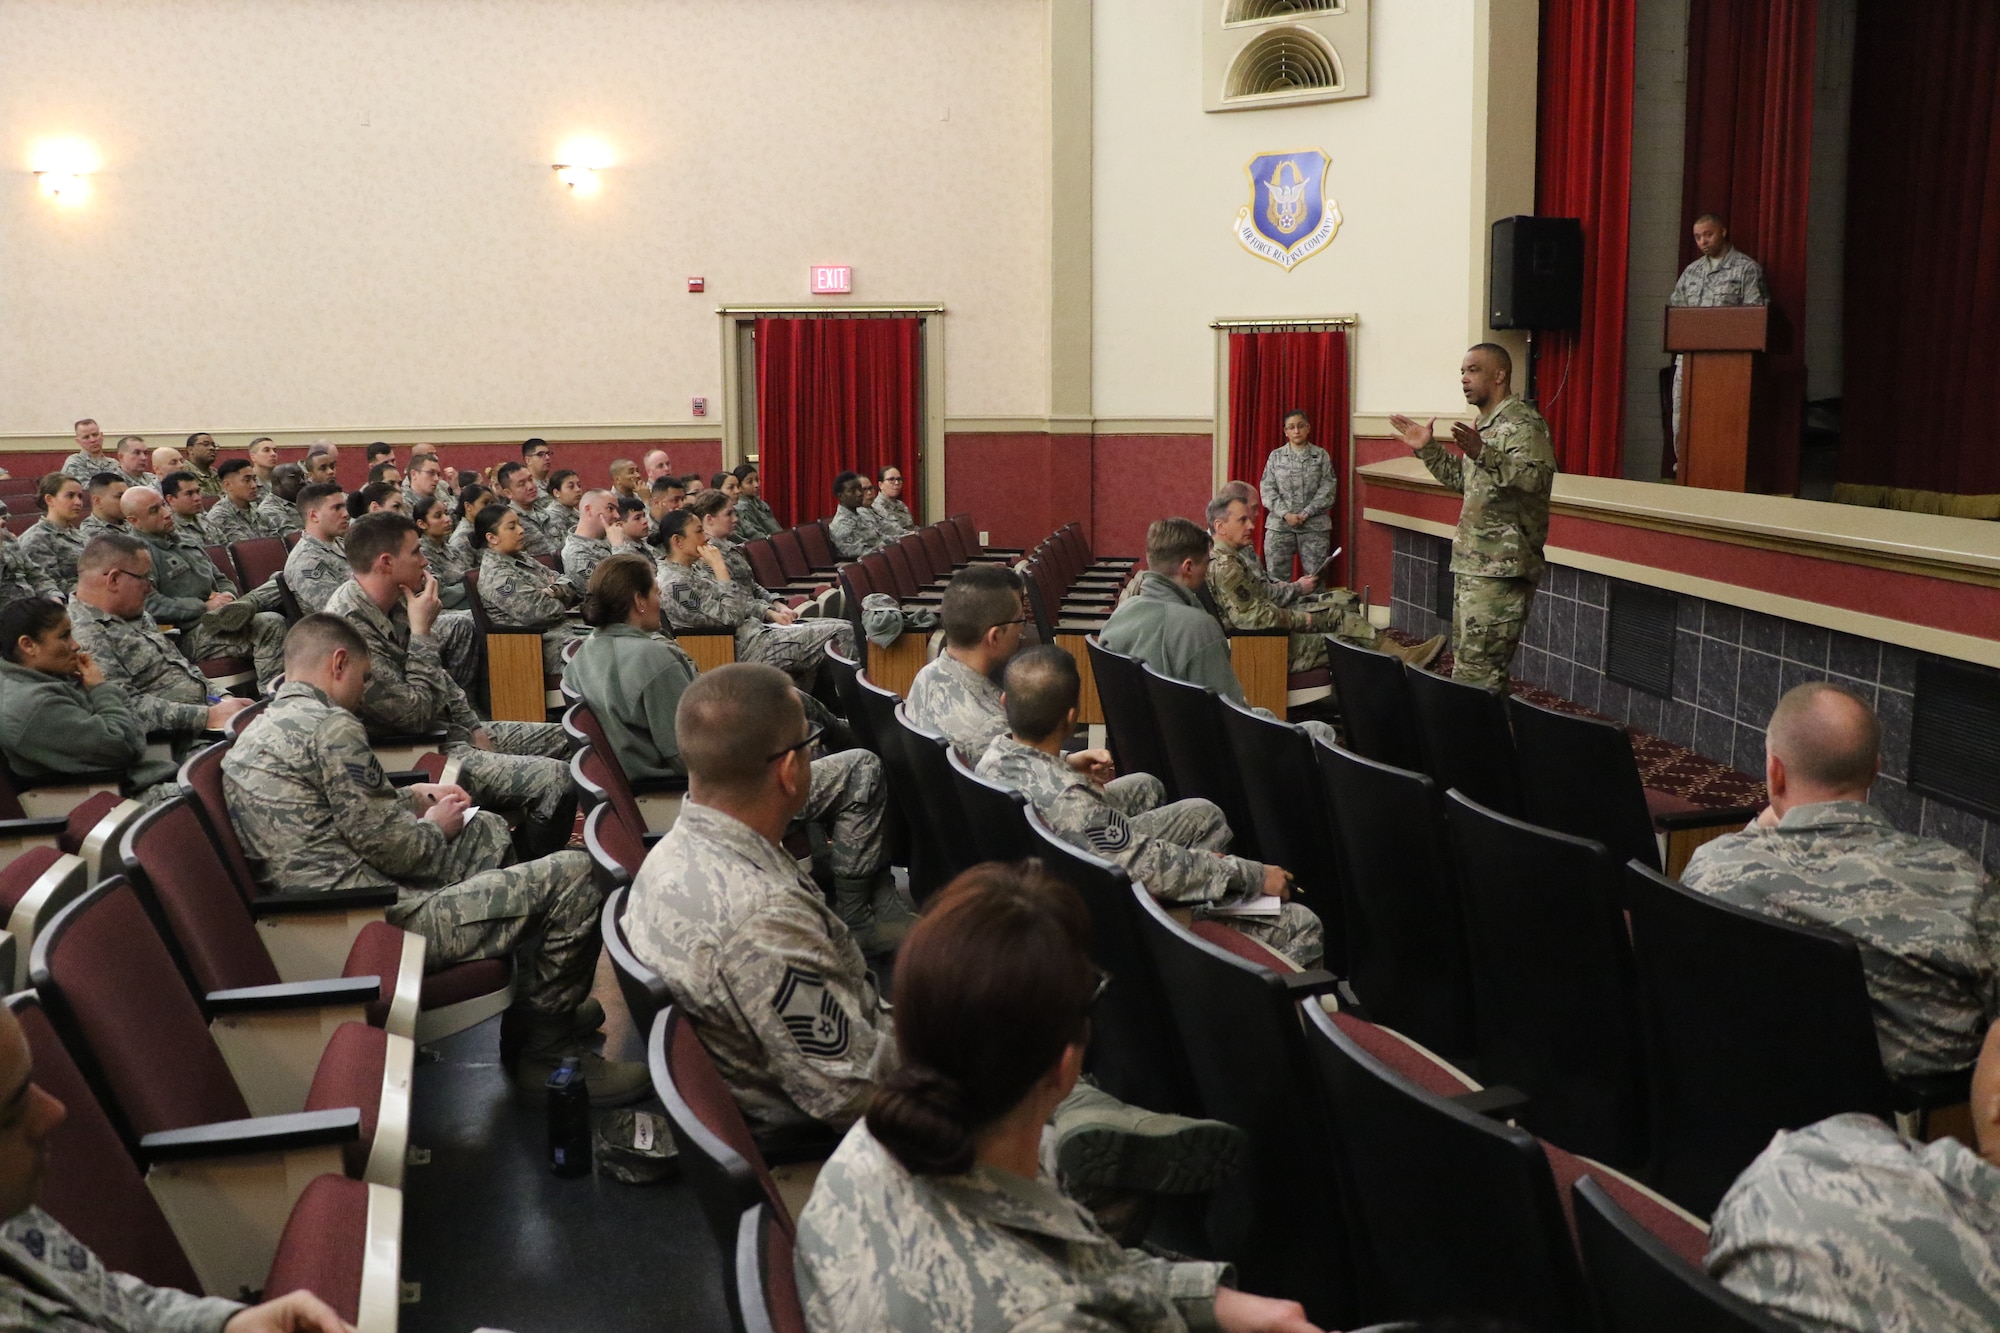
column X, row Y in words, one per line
column 1289, row 217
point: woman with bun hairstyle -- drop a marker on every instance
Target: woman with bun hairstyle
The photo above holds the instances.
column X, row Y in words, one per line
column 630, row 673
column 936, row 1212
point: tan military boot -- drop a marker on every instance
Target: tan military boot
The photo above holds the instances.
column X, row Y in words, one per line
column 1418, row 655
column 546, row 1042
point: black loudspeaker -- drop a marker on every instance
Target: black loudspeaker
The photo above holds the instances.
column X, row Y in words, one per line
column 1537, row 274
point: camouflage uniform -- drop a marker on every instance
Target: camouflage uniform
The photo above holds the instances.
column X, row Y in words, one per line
column 17, row 574
column 52, row 551
column 694, row 600
column 204, row 478
column 1847, row 1227
column 1245, row 601
column 315, row 813
column 51, row 727
column 893, row 516
column 460, row 544
column 167, row 692
column 581, row 555
column 51, row 1282
column 738, row 565
column 1925, row 914
column 314, row 570
column 1497, row 557
column 1177, row 851
column 448, row 566
column 525, row 770
column 184, row 578
column 964, row 707
column 520, row 593
column 94, row 527
column 880, row 1248
column 854, row 533
column 772, row 980
column 279, row 516
column 556, row 521
column 1297, row 481
column 537, row 540
column 1733, row 279
column 83, row 466
column 227, row 522
column 754, row 519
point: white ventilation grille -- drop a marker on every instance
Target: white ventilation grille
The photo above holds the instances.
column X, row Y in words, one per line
column 1252, row 11
column 1283, row 63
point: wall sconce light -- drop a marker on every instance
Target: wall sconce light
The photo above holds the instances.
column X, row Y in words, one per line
column 63, row 168
column 577, row 164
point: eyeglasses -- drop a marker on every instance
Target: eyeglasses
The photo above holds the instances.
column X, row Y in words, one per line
column 143, row 578
column 812, row 734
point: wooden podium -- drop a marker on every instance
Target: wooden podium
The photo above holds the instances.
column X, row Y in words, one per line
column 1720, row 346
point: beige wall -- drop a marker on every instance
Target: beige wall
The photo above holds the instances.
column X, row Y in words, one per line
column 1405, row 170
column 327, row 214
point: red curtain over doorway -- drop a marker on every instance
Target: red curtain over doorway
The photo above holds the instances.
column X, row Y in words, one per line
column 1748, row 160
column 834, row 395
column 1271, row 374
column 1922, row 306
column 1583, row 169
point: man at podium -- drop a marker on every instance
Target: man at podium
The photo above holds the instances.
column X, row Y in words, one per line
column 1721, row 275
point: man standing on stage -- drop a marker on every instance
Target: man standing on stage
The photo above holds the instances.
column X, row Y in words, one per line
column 1723, row 275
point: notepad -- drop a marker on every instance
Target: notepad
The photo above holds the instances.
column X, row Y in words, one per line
column 1264, row 905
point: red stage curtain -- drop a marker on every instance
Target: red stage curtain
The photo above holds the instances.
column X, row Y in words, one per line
column 835, row 394
column 1922, row 307
column 1583, row 169
column 1271, row 374
column 1748, row 159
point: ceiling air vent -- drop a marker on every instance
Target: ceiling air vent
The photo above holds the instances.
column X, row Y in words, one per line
column 1263, row 53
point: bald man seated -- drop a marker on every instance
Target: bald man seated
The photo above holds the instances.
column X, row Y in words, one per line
column 1923, row 911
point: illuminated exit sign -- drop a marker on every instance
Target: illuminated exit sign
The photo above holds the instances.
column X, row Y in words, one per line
column 832, row 279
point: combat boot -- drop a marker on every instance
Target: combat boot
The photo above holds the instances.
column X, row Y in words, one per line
column 547, row 1041
column 585, row 1021
column 1419, row 655
column 854, row 904
column 1103, row 1144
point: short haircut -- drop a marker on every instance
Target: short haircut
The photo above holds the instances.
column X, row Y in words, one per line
column 558, row 477
column 229, row 467
column 124, row 440
column 978, row 598
column 485, row 523
column 422, row 451
column 1501, row 355
column 615, row 584
column 199, row 435
column 530, row 445
column 691, row 482
column 87, row 421
column 108, row 549
column 287, row 480
column 312, row 642
column 840, row 482
column 311, row 497
column 104, row 481
column 30, row 618
column 629, row 505
column 661, row 485
column 379, row 448
column 672, row 524
column 882, row 471
column 731, row 719
column 709, row 503
column 1171, row 541
column 1826, row 736
column 375, row 535
column 261, row 439
column 1295, row 412
column 318, row 447
column 170, row 485
column 1218, row 508
column 49, row 487
column 1042, row 685
column 1712, row 217
column 1238, row 490
column 506, row 472
column 743, row 470
column 619, row 465
column 382, row 470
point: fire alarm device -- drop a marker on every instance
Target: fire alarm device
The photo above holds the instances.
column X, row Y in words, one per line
column 701, row 407
column 697, row 284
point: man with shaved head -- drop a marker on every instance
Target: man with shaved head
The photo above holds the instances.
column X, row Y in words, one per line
column 1923, row 911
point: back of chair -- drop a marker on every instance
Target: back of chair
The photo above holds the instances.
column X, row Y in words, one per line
column 1467, row 746
column 1136, row 743
column 718, row 1154
column 1280, row 1216
column 1554, row 1002
column 817, row 545
column 1638, row 1285
column 1380, row 721
column 170, row 856
column 616, row 847
column 767, row 1288
column 1578, row 776
column 908, row 584
column 936, row 548
column 925, row 569
column 884, row 577
column 1457, row 1214
column 1135, row 1050
column 992, row 814
column 219, row 557
column 241, row 720
column 764, row 564
column 1405, row 936
column 791, row 555
column 90, row 1184
column 600, row 780
column 644, row 990
column 1752, row 1025
column 113, row 991
column 1281, row 786
column 1198, row 749
column 921, row 755
column 967, row 533
column 201, row 774
column 258, row 559
column 955, row 545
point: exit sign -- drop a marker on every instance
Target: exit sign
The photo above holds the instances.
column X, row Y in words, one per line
column 832, row 279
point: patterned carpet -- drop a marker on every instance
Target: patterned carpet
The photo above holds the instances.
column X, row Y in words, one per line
column 1663, row 766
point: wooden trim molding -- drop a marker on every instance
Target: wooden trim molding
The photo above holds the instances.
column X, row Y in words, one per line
column 238, row 437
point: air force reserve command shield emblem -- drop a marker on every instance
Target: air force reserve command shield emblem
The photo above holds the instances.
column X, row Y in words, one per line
column 1289, row 217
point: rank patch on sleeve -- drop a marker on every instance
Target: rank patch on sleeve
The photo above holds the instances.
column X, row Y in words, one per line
column 811, row 1014
column 1110, row 834
column 367, row 775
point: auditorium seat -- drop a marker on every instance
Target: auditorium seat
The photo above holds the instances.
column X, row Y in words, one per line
column 656, row 801
column 1288, row 811
column 969, row 535
column 229, row 673
column 770, row 571
column 1405, row 931
column 257, row 560
column 288, row 601
column 924, row 565
column 56, row 797
column 34, row 887
column 937, row 548
column 792, row 556
column 1378, row 720
column 1467, row 746
column 993, row 822
column 1135, row 1053
column 74, row 830
column 767, row 1288
column 1554, row 1002
column 340, row 1239
column 115, row 997
column 1190, row 719
column 876, row 711
column 858, row 702
column 903, row 581
column 616, row 848
column 18, row 524
column 917, row 757
column 1078, row 541
column 600, row 784
column 1649, row 1279
column 817, row 544
column 513, row 686
column 219, row 557
column 1134, row 731
column 644, row 990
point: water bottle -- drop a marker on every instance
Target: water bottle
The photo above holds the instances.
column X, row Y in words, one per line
column 569, row 1120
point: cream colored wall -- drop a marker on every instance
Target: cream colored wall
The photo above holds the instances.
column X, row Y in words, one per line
column 327, row 214
column 1169, row 179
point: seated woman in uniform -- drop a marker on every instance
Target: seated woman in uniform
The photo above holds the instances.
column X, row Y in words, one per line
column 520, row 592
column 630, row 673
column 59, row 717
column 472, row 497
column 447, row 566
column 936, row 1211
